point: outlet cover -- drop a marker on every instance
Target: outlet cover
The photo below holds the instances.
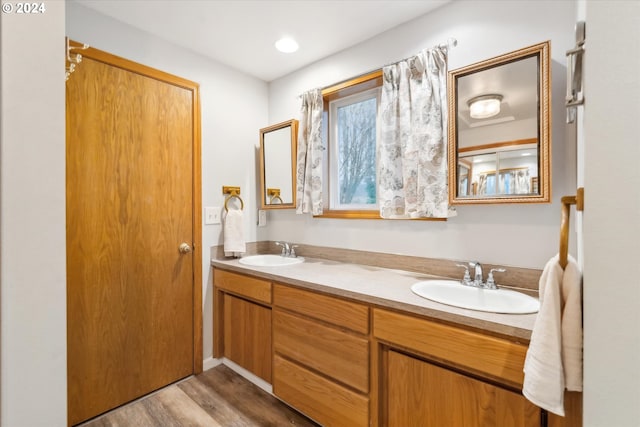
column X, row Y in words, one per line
column 262, row 218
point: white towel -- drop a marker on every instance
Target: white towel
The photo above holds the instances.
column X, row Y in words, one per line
column 554, row 357
column 234, row 244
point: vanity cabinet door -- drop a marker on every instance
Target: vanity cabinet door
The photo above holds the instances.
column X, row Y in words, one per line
column 421, row 394
column 242, row 321
column 247, row 335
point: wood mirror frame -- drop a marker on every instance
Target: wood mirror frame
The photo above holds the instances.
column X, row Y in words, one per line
column 278, row 152
column 522, row 81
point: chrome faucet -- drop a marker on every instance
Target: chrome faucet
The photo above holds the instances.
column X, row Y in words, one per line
column 477, row 277
column 288, row 250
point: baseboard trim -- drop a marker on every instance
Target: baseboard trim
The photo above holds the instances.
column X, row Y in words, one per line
column 210, row 362
column 248, row 375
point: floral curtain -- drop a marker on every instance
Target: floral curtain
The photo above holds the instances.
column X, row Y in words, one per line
column 412, row 141
column 310, row 152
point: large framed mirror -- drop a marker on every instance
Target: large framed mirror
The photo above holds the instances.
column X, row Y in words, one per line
column 278, row 148
column 499, row 129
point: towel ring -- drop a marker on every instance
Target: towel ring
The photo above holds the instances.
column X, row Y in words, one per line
column 226, row 208
column 274, row 194
column 232, row 192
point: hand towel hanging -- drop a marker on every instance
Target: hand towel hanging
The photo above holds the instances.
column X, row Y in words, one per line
column 554, row 357
column 234, row 244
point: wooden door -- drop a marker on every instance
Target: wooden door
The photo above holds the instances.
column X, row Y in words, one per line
column 419, row 394
column 133, row 191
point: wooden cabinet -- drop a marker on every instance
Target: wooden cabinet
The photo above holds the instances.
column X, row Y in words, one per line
column 487, row 356
column 344, row 363
column 321, row 356
column 432, row 374
column 421, row 394
column 242, row 322
column 247, row 335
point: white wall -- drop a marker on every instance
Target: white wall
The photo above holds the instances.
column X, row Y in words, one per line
column 612, row 215
column 32, row 259
column 523, row 235
column 234, row 108
column 33, row 359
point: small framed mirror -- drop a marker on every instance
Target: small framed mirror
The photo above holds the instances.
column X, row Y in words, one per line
column 499, row 129
column 278, row 148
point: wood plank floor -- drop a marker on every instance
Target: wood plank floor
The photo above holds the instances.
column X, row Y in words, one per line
column 218, row 398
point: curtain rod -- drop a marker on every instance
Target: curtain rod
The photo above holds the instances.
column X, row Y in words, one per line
column 451, row 43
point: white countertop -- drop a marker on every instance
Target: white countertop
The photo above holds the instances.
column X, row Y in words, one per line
column 385, row 288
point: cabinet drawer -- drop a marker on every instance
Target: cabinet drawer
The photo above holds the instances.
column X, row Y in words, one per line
column 320, row 399
column 250, row 287
column 496, row 357
column 337, row 354
column 332, row 310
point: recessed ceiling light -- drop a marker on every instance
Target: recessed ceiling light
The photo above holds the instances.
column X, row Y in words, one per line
column 286, row 45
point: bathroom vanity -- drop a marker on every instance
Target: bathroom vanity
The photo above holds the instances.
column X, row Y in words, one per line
column 351, row 345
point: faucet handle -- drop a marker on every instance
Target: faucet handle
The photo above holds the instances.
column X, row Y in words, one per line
column 467, row 277
column 284, row 248
column 491, row 283
column 292, row 253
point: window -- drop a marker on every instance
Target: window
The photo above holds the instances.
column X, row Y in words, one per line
column 352, row 151
column 351, row 109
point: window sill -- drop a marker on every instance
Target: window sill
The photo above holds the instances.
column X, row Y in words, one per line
column 340, row 214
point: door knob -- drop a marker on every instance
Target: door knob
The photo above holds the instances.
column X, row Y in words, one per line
column 184, row 248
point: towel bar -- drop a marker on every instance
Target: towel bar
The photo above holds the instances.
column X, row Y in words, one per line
column 567, row 201
column 232, row 192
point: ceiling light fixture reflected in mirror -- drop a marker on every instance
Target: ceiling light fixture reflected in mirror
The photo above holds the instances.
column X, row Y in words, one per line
column 484, row 106
column 286, row 45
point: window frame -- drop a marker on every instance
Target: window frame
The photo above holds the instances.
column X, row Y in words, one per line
column 345, row 89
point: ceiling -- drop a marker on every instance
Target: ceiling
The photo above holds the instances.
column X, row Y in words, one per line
column 242, row 33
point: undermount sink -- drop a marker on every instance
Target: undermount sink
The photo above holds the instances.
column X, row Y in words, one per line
column 452, row 292
column 270, row 260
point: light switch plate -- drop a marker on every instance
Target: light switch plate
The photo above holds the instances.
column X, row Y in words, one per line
column 212, row 215
column 262, row 218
